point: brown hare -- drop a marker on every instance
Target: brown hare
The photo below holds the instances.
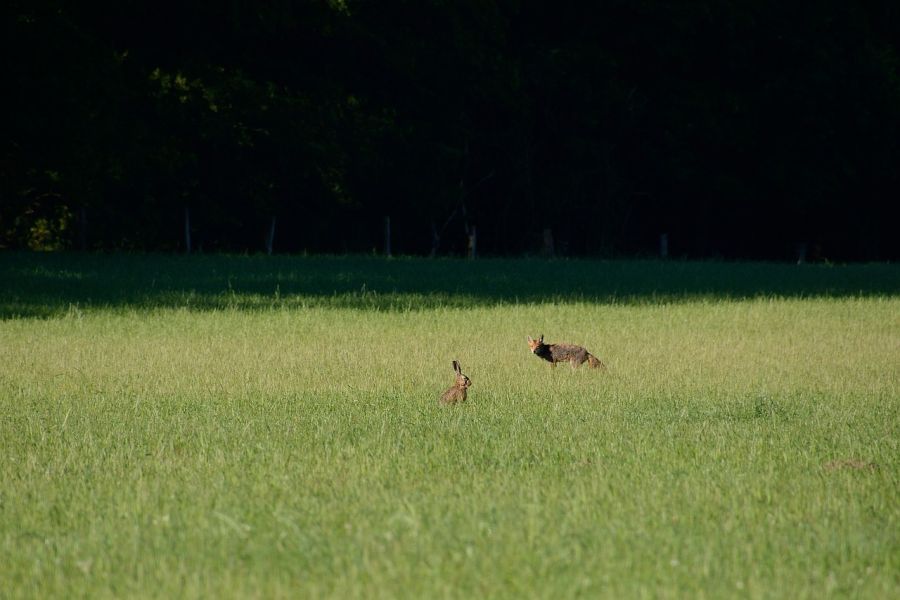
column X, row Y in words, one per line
column 555, row 353
column 457, row 392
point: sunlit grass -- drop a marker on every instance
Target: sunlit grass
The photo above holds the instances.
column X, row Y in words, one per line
column 289, row 451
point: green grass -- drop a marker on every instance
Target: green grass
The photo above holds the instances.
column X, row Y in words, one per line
column 41, row 285
column 173, row 427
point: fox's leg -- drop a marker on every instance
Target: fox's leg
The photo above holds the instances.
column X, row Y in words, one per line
column 574, row 362
column 552, row 365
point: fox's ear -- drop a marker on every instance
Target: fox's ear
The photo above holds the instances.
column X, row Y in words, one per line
column 542, row 338
column 456, row 367
column 530, row 339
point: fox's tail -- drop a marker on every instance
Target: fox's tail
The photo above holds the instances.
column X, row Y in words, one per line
column 595, row 363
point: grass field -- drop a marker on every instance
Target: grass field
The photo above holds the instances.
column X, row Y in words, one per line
column 268, row 427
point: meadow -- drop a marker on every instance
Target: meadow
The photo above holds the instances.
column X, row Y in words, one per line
column 249, row 426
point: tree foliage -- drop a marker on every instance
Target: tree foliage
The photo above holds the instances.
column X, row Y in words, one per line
column 738, row 128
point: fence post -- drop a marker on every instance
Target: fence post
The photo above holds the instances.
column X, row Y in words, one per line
column 187, row 229
column 472, row 243
column 270, row 239
column 548, row 248
column 82, row 229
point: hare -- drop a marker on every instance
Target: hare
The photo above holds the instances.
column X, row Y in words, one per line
column 457, row 392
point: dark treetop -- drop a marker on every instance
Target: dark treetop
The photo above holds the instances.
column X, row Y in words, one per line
column 742, row 129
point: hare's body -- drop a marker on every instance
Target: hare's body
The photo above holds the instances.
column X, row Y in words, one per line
column 556, row 353
column 454, row 395
column 457, row 392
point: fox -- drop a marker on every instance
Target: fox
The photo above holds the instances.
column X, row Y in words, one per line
column 556, row 353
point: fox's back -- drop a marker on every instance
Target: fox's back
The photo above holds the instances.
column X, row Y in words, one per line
column 555, row 353
column 563, row 352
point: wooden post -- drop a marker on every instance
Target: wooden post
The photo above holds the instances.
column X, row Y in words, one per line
column 187, row 229
column 387, row 237
column 472, row 243
column 435, row 241
column 664, row 245
column 82, row 229
column 270, row 239
column 548, row 249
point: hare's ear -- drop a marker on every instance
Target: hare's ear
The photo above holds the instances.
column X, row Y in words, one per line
column 456, row 367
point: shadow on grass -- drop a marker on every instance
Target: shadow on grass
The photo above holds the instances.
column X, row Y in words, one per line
column 42, row 285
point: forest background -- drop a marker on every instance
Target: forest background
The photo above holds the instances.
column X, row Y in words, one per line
column 737, row 130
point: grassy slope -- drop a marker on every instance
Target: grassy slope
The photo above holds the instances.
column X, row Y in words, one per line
column 152, row 449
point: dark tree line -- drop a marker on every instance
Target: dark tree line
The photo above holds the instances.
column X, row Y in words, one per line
column 739, row 128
